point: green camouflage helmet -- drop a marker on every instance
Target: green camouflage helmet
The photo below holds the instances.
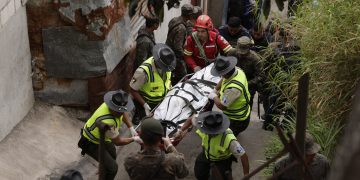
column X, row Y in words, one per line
column 244, row 41
column 152, row 126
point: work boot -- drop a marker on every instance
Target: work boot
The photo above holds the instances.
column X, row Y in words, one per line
column 262, row 117
column 268, row 127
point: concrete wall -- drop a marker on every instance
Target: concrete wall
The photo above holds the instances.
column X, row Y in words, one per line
column 16, row 93
column 161, row 32
column 215, row 11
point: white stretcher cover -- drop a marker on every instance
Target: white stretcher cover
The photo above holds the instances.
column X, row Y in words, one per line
column 186, row 98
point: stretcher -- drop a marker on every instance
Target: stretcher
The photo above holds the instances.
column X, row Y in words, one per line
column 186, row 98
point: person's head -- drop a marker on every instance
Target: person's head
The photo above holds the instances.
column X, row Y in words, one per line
column 197, row 12
column 151, row 132
column 212, row 122
column 311, row 147
column 164, row 57
column 203, row 25
column 152, row 23
column 187, row 11
column 234, row 25
column 118, row 102
column 243, row 45
column 224, row 66
column 257, row 32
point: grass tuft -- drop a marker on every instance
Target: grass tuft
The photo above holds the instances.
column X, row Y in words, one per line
column 329, row 37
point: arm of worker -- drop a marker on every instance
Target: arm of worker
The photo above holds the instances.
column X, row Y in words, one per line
column 114, row 135
column 223, row 44
column 239, row 153
column 178, row 167
column 258, row 73
column 137, row 81
column 127, row 121
column 188, row 52
column 218, row 103
column 181, row 131
column 229, row 96
column 218, row 86
column 169, row 147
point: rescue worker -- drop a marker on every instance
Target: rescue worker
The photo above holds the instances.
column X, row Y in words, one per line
column 231, row 94
column 152, row 162
column 176, row 39
column 250, row 62
column 220, row 146
column 112, row 112
column 318, row 164
column 145, row 41
column 152, row 80
column 233, row 31
column 204, row 45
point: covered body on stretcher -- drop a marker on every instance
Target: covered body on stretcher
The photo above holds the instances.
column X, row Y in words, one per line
column 185, row 98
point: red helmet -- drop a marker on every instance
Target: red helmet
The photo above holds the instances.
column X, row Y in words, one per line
column 204, row 21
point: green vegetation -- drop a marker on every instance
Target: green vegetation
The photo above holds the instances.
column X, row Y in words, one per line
column 329, row 37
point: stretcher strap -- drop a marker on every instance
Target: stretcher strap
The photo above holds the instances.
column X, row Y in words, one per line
column 188, row 92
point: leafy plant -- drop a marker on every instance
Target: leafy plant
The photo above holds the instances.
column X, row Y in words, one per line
column 328, row 34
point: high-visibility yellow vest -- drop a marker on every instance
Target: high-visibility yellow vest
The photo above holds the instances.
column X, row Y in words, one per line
column 239, row 110
column 155, row 89
column 91, row 132
column 219, row 145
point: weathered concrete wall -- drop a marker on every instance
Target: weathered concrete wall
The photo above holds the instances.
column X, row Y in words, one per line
column 16, row 93
column 70, row 54
column 93, row 17
column 72, row 41
column 40, row 14
column 215, row 11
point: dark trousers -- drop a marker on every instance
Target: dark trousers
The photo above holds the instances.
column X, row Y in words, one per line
column 239, row 126
column 203, row 166
column 92, row 150
column 251, row 100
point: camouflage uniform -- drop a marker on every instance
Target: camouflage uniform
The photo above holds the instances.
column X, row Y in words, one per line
column 175, row 40
column 143, row 164
column 252, row 65
column 189, row 27
column 319, row 168
column 144, row 45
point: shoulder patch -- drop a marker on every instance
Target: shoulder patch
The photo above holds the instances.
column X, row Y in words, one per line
column 239, row 149
column 224, row 99
column 133, row 80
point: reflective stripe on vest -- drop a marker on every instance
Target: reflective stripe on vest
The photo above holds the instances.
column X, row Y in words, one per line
column 155, row 89
column 239, row 110
column 91, row 132
column 219, row 145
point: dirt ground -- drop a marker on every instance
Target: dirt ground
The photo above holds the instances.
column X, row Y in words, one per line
column 253, row 139
column 44, row 145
